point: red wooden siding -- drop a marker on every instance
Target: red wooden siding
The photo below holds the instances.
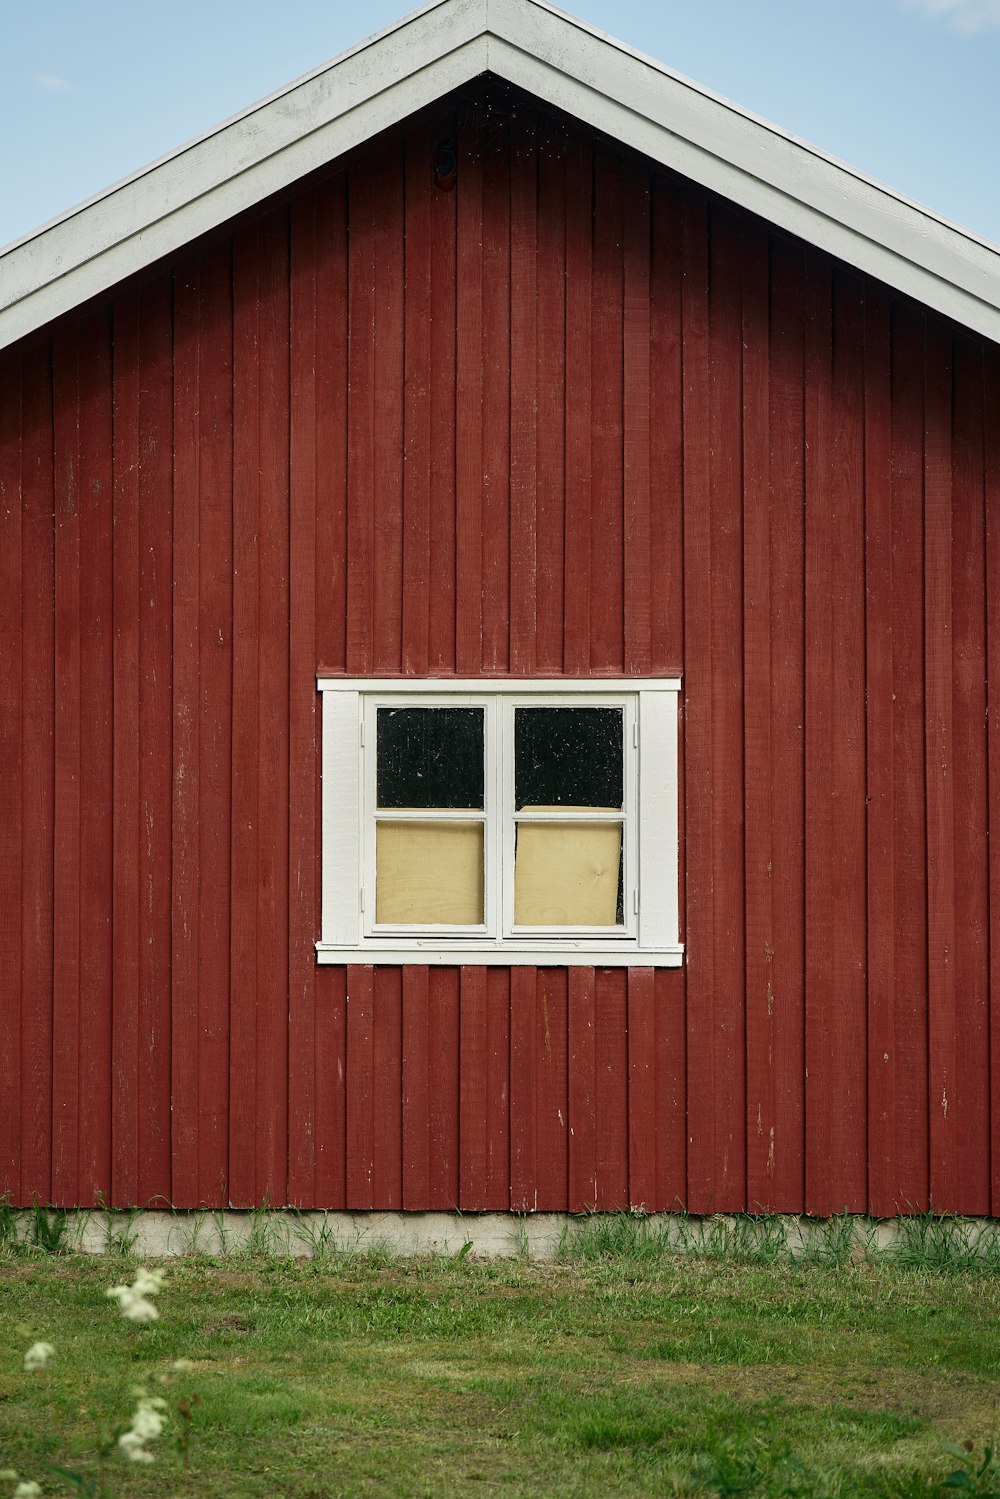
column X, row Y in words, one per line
column 573, row 417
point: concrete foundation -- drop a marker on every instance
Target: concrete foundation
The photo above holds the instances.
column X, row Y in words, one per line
column 153, row 1233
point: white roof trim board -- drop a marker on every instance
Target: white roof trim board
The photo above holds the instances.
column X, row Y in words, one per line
column 561, row 61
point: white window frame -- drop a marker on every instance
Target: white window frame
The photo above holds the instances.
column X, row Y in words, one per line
column 650, row 935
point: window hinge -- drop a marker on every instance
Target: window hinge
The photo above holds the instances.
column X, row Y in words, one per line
column 362, row 733
column 635, row 902
column 362, row 892
column 635, row 736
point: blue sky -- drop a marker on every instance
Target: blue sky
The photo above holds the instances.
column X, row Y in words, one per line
column 907, row 90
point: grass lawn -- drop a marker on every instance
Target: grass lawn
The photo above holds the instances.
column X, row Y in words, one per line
column 361, row 1375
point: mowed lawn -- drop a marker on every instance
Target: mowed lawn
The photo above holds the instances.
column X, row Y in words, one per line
column 363, row 1375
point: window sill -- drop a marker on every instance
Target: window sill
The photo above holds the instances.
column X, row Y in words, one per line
column 456, row 952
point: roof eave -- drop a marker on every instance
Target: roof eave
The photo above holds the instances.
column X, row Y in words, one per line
column 561, row 61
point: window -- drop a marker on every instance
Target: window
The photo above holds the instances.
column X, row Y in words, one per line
column 513, row 822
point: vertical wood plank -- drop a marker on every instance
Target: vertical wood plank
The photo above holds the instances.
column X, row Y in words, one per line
column 552, row 1092
column 387, row 411
column 419, row 313
column 523, row 1084
column 271, row 979
column 360, row 1143
column 636, row 422
column 642, row 1132
column 785, row 1035
column 763, row 1119
column 666, row 479
column 606, row 519
column 361, row 432
column 699, row 728
column 303, row 735
column 495, row 356
column 946, row 1170
column 882, row 1181
column 579, row 403
column 582, row 1091
column 332, row 400
column 550, row 392
column 12, row 641
column 469, row 404
column 387, row 1112
column 846, row 1066
column 473, row 1122
column 185, row 912
column 523, row 393
column 611, row 1088
column 835, row 1009
column 417, row 1085
column 443, row 1020
column 822, row 1112
column 66, row 878
column 37, row 771
column 670, row 1098
column 909, row 754
column 725, row 347
column 714, row 759
column 246, row 746
column 442, row 229
column 971, row 1088
column 126, row 808
column 330, row 1159
column 96, row 756
column 215, row 664
column 498, row 1090
column 991, row 432
column 155, row 583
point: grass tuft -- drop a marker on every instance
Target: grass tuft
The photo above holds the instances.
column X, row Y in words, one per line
column 930, row 1242
column 50, row 1228
column 945, row 1244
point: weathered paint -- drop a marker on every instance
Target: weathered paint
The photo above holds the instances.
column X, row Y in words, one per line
column 575, row 416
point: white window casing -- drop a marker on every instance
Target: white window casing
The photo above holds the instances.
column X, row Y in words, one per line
column 649, row 933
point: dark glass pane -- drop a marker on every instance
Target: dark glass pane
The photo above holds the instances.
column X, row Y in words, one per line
column 568, row 757
column 430, row 757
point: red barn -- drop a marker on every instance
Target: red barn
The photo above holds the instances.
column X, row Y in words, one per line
column 500, row 608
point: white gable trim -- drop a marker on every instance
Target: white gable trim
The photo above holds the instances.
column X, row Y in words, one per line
column 561, row 61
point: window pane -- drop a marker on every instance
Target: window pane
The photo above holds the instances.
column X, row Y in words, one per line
column 430, row 757
column 568, row 757
column 568, row 874
column 429, row 873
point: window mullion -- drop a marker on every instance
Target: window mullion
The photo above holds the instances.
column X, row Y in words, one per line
column 505, row 720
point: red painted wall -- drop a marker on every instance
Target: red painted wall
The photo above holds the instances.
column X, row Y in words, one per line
column 577, row 417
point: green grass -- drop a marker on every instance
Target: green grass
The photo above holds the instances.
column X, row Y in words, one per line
column 603, row 1374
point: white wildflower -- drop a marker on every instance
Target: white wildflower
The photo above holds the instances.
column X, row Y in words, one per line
column 182, row 1365
column 28, row 1490
column 148, row 1282
column 147, row 1424
column 133, row 1448
column 37, row 1356
column 136, row 1308
column 8, row 1475
column 133, row 1301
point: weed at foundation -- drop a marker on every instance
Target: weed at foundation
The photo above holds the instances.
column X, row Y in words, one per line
column 942, row 1242
column 10, row 1239
column 49, row 1227
column 120, row 1231
column 929, row 1242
